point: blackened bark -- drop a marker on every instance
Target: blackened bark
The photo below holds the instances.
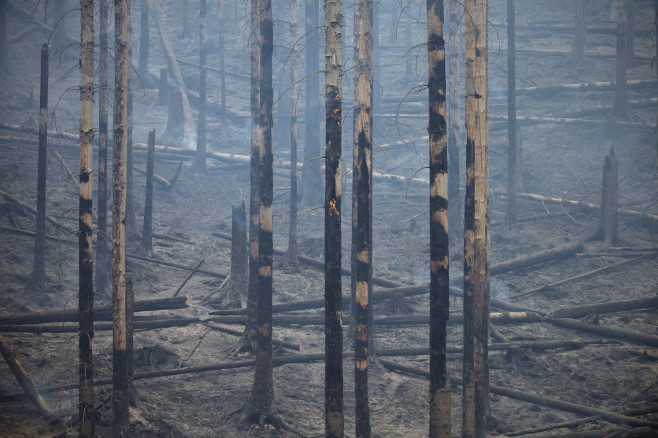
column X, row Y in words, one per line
column 222, row 75
column 468, row 397
column 333, row 305
column 175, row 130
column 512, row 209
column 201, row 128
column 85, row 253
column 130, row 324
column 131, row 221
column 144, row 39
column 292, row 234
column 147, row 230
column 439, row 425
column 630, row 40
column 454, row 165
column 119, row 337
column 363, row 171
column 312, row 172
column 102, row 254
column 38, row 266
column 259, row 406
column 607, row 230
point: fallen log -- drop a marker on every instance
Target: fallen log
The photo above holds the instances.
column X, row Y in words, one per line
column 180, row 288
column 100, row 324
column 32, row 210
column 587, row 205
column 100, row 312
column 530, row 120
column 175, row 265
column 529, row 397
column 578, row 277
column 25, row 381
column 277, row 342
column 162, row 180
column 215, row 69
column 561, row 251
column 497, row 317
column 624, row 335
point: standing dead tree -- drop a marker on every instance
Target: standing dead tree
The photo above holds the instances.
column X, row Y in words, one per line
column 439, row 425
column 201, row 125
column 292, row 235
column 621, row 94
column 143, row 67
column 607, row 229
column 476, row 236
column 512, row 207
column 102, row 256
column 222, row 75
column 147, row 230
column 259, row 405
column 577, row 54
column 363, row 218
column 38, row 267
column 119, row 337
column 3, row 36
column 311, row 172
column 131, row 220
column 85, row 226
column 333, row 303
column 454, row 165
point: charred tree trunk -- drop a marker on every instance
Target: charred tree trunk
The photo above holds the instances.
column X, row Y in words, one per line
column 175, row 130
column 333, row 303
column 454, row 164
column 439, row 236
column 85, row 254
column 147, row 231
column 407, row 43
column 621, row 95
column 630, row 40
column 3, row 37
column 102, row 256
column 259, row 406
column 222, row 75
column 292, row 234
column 248, row 341
column 130, row 325
column 186, row 26
column 201, row 128
column 479, row 276
column 144, row 39
column 609, row 201
column 363, row 171
column 312, row 172
column 131, row 221
column 577, row 54
column 38, row 267
column 163, row 89
column 58, row 36
column 512, row 208
column 119, row 338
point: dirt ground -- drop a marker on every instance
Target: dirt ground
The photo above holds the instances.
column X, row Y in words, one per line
column 560, row 160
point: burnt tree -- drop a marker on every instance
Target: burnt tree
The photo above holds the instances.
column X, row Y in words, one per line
column 608, row 230
column 439, row 425
column 201, row 125
column 38, row 278
column 85, row 252
column 119, row 338
column 102, row 253
column 363, row 219
column 222, row 75
column 147, row 230
column 333, row 302
column 143, row 67
column 312, row 172
column 131, row 221
column 292, row 235
column 259, row 406
column 577, row 53
column 3, row 36
column 476, row 237
column 621, row 110
column 454, row 97
column 512, row 208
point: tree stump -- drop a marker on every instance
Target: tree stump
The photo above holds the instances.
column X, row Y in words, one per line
column 607, row 230
column 232, row 291
column 175, row 120
column 163, row 88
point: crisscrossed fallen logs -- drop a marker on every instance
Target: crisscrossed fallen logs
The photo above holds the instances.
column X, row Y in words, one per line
column 534, row 398
column 100, row 312
column 400, row 290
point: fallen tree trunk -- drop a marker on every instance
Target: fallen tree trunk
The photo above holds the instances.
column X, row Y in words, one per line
column 101, row 324
column 534, row 398
column 25, row 381
column 562, row 251
column 587, row 205
column 579, row 276
column 175, row 265
column 624, row 335
column 32, row 210
column 277, row 342
column 99, row 312
column 529, row 120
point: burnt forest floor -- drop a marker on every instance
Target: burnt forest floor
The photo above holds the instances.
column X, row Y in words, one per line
column 559, row 160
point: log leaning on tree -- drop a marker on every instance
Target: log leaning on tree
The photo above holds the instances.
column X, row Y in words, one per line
column 535, row 398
